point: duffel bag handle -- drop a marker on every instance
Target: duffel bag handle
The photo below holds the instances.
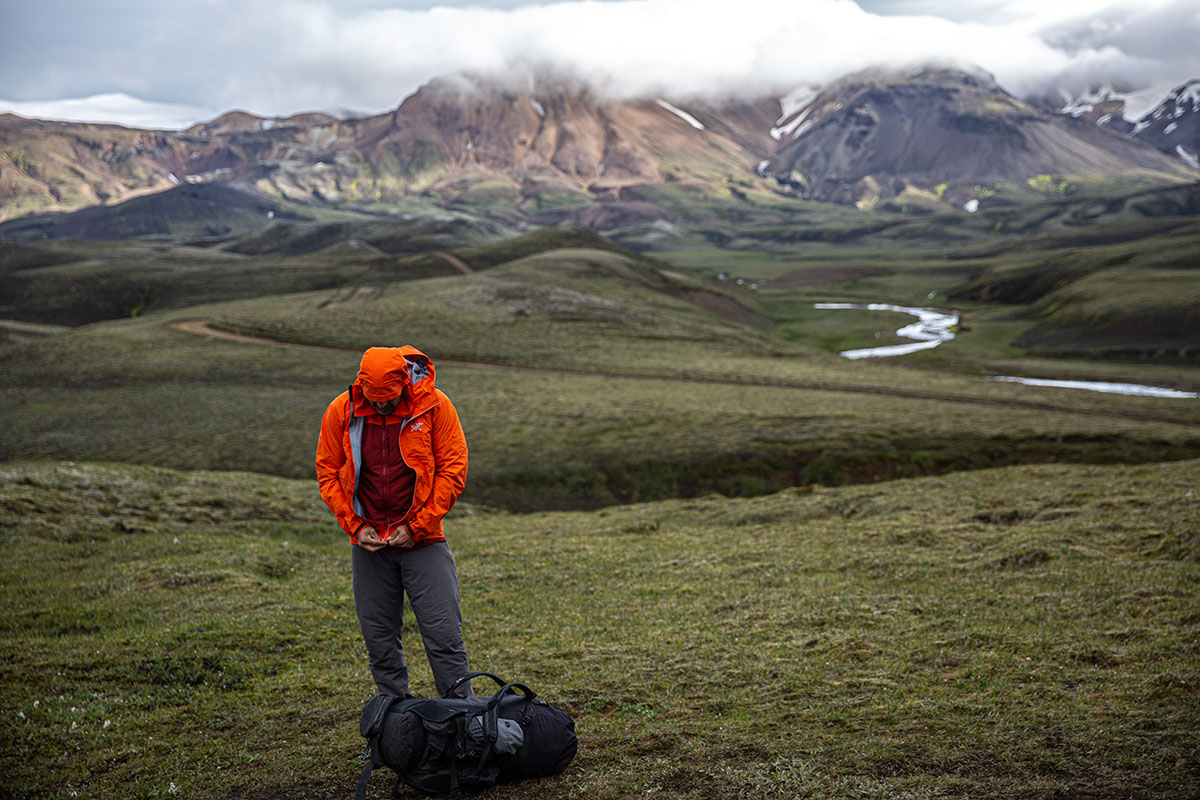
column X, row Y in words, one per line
column 450, row 691
column 512, row 687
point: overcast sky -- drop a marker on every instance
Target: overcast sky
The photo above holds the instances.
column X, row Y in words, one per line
column 168, row 63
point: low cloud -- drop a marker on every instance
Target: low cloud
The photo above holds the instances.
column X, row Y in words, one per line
column 286, row 56
column 113, row 108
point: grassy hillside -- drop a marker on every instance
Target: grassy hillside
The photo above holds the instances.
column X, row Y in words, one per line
column 191, row 211
column 1027, row 632
column 91, row 281
column 1130, row 297
column 1103, row 214
column 75, row 282
column 604, row 384
column 1122, row 312
column 79, row 282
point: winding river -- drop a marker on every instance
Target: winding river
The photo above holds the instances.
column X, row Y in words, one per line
column 934, row 326
column 931, row 329
column 1100, row 386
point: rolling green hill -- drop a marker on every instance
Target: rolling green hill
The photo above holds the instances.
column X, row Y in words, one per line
column 74, row 281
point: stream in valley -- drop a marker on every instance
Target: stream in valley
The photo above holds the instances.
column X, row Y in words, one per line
column 935, row 326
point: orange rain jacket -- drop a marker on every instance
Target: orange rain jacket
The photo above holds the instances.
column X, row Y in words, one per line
column 430, row 437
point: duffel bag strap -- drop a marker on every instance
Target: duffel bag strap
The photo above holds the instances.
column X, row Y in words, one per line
column 360, row 793
column 371, row 725
column 450, row 691
column 494, row 703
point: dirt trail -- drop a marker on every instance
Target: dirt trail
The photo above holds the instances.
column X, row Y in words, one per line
column 201, row 327
column 454, row 261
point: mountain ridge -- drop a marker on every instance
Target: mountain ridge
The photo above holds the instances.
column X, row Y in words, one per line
column 551, row 150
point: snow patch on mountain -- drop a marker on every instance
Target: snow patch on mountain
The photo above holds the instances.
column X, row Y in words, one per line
column 1137, row 104
column 538, row 107
column 1190, row 94
column 683, row 115
column 793, row 110
column 1161, row 126
column 1140, row 103
column 796, row 100
column 1191, row 158
column 1086, row 102
column 790, row 128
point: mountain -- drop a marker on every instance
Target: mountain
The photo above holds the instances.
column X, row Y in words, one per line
column 245, row 122
column 1168, row 123
column 483, row 145
column 873, row 135
column 1104, row 105
column 543, row 150
column 458, row 140
column 57, row 166
column 1174, row 125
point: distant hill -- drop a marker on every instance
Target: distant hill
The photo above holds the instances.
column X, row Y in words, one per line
column 193, row 211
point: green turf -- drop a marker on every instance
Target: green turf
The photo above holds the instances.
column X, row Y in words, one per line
column 1025, row 632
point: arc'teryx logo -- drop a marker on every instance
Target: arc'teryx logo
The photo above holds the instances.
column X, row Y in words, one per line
column 418, row 426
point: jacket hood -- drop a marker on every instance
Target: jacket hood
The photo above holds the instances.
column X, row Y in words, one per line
column 386, row 372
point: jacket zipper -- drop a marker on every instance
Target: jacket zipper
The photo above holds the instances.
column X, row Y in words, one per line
column 422, row 412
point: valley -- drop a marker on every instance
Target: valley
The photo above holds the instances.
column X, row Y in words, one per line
column 567, row 323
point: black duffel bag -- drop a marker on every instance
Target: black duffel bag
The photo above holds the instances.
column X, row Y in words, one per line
column 447, row 745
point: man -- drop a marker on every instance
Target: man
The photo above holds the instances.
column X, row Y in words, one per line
column 391, row 461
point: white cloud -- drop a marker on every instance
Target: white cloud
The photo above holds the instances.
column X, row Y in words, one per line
column 114, row 108
column 683, row 46
column 285, row 56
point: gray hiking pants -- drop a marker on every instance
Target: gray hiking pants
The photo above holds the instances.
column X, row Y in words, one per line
column 427, row 575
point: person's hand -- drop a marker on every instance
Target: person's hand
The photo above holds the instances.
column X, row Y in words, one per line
column 369, row 539
column 401, row 539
